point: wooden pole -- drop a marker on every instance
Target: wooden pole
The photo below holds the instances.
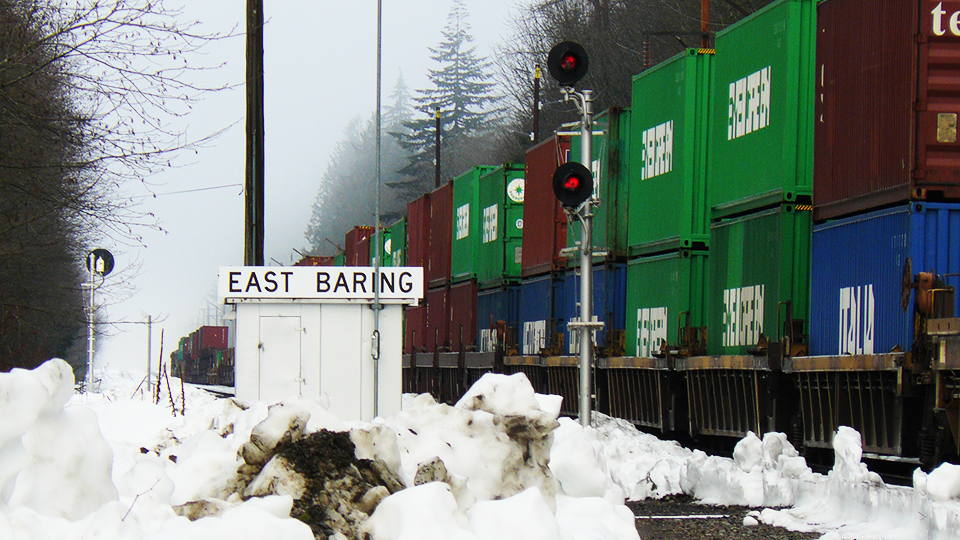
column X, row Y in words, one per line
column 253, row 186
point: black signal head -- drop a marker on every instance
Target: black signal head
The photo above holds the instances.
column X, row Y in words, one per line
column 567, row 63
column 572, row 184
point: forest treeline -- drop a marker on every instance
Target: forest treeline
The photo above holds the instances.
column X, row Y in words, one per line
column 87, row 91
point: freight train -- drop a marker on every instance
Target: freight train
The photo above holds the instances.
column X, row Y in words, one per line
column 780, row 223
column 204, row 358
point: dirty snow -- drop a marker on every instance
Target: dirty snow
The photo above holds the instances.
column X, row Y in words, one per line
column 113, row 465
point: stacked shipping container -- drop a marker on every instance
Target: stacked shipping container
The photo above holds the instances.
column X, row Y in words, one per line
column 669, row 222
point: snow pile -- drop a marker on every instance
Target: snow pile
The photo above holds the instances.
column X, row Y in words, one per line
column 500, row 467
column 499, row 464
column 52, row 461
column 153, row 475
column 852, row 502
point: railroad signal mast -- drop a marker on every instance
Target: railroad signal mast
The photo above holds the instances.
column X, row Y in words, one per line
column 573, row 186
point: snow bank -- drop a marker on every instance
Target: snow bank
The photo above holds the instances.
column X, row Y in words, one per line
column 116, row 465
column 513, row 469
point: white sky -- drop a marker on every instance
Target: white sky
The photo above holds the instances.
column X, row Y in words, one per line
column 320, row 72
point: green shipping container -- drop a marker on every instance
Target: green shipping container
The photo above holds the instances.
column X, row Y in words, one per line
column 465, row 240
column 611, row 167
column 758, row 262
column 501, row 226
column 664, row 292
column 340, row 259
column 396, row 252
column 761, row 134
column 385, row 242
column 668, row 149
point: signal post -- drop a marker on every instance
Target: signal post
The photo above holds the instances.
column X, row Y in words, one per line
column 573, row 186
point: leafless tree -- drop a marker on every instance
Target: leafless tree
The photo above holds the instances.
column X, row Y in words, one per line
column 88, row 90
column 622, row 37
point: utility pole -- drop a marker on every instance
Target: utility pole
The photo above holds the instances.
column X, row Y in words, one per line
column 536, row 104
column 254, row 185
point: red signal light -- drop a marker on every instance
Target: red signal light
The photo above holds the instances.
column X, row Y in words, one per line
column 567, row 63
column 572, row 184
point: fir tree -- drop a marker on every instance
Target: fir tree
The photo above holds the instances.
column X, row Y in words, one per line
column 462, row 90
column 346, row 196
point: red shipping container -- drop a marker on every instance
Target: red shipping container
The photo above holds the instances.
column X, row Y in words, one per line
column 210, row 337
column 463, row 316
column 887, row 100
column 544, row 224
column 437, row 272
column 415, row 330
column 312, row 260
column 438, row 319
column 418, row 234
column 357, row 248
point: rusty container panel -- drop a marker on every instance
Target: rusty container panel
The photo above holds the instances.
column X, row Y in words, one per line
column 437, row 271
column 418, row 234
column 544, row 223
column 357, row 246
column 438, row 319
column 886, row 109
column 463, row 316
column 415, row 329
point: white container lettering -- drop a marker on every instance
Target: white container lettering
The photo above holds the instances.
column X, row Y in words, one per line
column 534, row 336
column 748, row 108
column 657, row 153
column 857, row 320
column 938, row 29
column 742, row 316
column 490, row 224
column 463, row 221
column 651, row 330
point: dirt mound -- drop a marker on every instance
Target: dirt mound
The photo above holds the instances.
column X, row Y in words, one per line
column 339, row 491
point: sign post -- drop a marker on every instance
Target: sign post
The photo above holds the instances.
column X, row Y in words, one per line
column 99, row 263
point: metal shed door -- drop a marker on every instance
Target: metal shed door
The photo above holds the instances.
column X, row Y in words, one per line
column 280, row 369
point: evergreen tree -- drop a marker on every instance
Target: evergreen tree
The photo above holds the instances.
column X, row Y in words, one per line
column 462, row 90
column 347, row 193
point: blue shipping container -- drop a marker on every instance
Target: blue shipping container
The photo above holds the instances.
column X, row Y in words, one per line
column 494, row 305
column 609, row 302
column 541, row 304
column 858, row 269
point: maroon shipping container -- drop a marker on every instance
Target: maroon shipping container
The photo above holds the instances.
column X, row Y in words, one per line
column 438, row 319
column 887, row 100
column 418, row 235
column 437, row 272
column 415, row 329
column 463, row 316
column 209, row 337
column 544, row 224
column 357, row 248
column 313, row 260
